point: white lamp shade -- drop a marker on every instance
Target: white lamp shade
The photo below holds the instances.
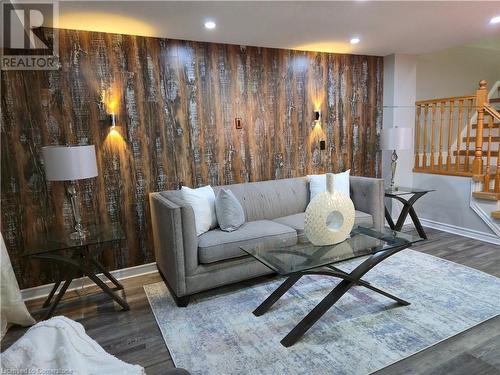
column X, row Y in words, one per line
column 397, row 138
column 67, row 163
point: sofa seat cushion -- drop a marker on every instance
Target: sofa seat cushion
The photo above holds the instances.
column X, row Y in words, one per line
column 216, row 245
column 364, row 219
column 297, row 222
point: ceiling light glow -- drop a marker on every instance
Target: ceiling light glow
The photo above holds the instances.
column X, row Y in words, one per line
column 495, row 20
column 210, row 25
column 355, row 40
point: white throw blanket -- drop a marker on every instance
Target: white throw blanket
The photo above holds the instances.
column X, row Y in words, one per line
column 13, row 309
column 60, row 345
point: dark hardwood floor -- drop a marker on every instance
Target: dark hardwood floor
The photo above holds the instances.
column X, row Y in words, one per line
column 134, row 337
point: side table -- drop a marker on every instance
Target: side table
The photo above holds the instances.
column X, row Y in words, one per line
column 76, row 258
column 399, row 194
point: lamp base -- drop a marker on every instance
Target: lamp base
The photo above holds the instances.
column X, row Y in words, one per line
column 394, row 162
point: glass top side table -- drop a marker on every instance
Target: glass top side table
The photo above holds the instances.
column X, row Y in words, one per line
column 399, row 193
column 80, row 259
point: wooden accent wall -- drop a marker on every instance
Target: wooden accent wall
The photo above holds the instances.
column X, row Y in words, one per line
column 175, row 103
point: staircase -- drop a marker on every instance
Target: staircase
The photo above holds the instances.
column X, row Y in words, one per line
column 460, row 136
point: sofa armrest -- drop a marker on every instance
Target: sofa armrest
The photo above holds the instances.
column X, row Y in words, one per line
column 175, row 241
column 367, row 195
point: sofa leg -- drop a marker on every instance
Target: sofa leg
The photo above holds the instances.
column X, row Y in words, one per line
column 179, row 301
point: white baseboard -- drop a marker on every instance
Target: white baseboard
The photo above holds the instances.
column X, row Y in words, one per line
column 466, row 232
column 82, row 282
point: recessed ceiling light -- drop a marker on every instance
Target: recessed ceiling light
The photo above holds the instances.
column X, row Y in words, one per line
column 495, row 20
column 210, row 25
column 355, row 40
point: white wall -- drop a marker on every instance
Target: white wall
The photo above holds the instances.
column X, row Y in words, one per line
column 399, row 110
column 452, row 72
column 456, row 71
column 449, row 204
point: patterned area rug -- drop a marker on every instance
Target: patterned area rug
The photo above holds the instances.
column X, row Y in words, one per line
column 364, row 332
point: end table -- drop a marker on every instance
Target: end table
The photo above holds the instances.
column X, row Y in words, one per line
column 76, row 258
column 399, row 194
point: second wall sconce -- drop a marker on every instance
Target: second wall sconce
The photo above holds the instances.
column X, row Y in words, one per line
column 317, row 118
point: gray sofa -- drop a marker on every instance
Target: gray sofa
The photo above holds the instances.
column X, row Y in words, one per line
column 274, row 213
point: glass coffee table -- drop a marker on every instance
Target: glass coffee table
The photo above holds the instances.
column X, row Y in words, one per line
column 306, row 259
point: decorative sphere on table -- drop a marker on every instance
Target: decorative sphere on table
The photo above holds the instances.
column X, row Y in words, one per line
column 316, row 228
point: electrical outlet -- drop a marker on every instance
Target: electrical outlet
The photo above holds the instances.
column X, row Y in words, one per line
column 238, row 123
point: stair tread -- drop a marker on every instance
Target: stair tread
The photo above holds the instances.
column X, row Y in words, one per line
column 488, row 195
column 494, row 100
column 495, row 214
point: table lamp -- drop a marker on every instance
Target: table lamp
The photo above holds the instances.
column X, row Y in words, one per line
column 71, row 163
column 396, row 139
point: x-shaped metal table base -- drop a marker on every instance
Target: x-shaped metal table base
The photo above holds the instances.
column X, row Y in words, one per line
column 349, row 280
column 407, row 209
column 81, row 262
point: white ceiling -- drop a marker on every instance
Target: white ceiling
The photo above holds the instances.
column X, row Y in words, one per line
column 384, row 27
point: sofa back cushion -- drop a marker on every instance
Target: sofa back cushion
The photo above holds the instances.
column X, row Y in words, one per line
column 264, row 200
column 271, row 199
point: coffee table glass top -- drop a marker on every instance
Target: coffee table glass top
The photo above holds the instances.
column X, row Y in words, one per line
column 304, row 256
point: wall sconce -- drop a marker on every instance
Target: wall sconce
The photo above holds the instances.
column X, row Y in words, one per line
column 112, row 118
column 317, row 118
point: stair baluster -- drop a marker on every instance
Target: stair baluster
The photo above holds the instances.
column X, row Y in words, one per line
column 486, row 181
column 470, row 103
column 418, row 109
column 441, row 129
column 424, row 158
column 496, row 189
column 450, row 140
column 459, row 131
column 433, row 135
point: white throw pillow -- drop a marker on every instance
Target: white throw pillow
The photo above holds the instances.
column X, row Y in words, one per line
column 317, row 183
column 202, row 200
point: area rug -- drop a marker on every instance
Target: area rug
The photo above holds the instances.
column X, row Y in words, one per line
column 364, row 332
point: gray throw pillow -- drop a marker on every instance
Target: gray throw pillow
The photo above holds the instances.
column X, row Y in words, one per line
column 229, row 211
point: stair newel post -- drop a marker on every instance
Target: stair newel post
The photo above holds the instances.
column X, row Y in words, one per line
column 481, row 98
column 417, row 136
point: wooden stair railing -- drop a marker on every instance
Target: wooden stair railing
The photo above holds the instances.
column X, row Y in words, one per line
column 439, row 128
